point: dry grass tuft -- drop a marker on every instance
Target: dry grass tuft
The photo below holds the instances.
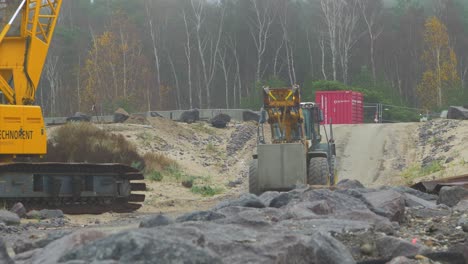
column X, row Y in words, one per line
column 158, row 162
column 84, row 142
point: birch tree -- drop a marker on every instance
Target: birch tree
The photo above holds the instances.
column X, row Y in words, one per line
column 347, row 36
column 209, row 44
column 371, row 10
column 441, row 65
column 260, row 26
column 332, row 12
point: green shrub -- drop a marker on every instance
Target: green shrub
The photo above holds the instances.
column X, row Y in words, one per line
column 155, row 176
column 416, row 171
column 206, row 190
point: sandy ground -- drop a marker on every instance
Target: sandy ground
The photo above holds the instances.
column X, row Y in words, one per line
column 199, row 149
column 375, row 154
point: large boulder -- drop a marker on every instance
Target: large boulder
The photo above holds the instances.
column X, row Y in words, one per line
column 120, row 115
column 457, row 112
column 267, row 197
column 389, row 203
column 19, row 209
column 281, row 200
column 462, row 205
column 155, row 220
column 79, row 117
column 220, row 120
column 349, row 184
column 54, row 251
column 250, row 218
column 461, row 248
column 327, row 249
column 190, row 116
column 451, row 196
column 143, row 246
column 245, row 200
column 408, row 190
column 9, row 218
column 414, row 201
column 45, row 214
column 21, row 246
column 249, row 115
column 4, row 257
column 393, row 247
column 200, row 216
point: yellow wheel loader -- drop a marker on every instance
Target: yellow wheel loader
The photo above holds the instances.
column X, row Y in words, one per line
column 294, row 153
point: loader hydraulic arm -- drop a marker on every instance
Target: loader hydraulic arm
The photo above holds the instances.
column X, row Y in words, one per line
column 284, row 114
column 23, row 53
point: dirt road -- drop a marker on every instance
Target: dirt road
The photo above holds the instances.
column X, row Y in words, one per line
column 374, row 154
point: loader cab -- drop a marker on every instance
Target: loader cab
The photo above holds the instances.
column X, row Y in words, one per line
column 313, row 116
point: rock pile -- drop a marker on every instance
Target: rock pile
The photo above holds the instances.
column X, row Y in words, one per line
column 347, row 225
column 239, row 138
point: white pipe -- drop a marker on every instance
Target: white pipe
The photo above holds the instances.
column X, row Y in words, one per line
column 17, row 12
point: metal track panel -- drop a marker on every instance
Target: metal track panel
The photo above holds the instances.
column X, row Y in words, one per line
column 72, row 187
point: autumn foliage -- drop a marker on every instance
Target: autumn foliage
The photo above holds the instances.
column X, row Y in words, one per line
column 440, row 64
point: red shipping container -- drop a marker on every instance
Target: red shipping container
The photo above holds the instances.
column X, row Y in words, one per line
column 342, row 107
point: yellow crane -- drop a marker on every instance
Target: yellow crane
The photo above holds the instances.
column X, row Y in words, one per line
column 24, row 43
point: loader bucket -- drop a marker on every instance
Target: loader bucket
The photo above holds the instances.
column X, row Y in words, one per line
column 281, row 166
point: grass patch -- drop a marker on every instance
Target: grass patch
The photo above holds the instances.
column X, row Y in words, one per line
column 155, row 176
column 85, row 142
column 201, row 127
column 159, row 166
column 416, row 171
column 145, row 137
column 210, row 148
column 206, row 190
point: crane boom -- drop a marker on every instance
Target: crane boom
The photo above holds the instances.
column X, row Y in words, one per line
column 24, row 43
column 24, row 54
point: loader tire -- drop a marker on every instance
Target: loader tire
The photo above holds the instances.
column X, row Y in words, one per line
column 319, row 172
column 253, row 177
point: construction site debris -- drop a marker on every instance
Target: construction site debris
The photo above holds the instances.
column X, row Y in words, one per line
column 190, row 116
column 120, row 115
column 250, row 116
column 305, row 224
column 220, row 120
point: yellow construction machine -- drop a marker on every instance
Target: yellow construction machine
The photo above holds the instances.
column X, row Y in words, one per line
column 27, row 27
column 295, row 153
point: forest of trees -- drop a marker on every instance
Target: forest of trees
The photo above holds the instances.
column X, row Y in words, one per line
column 179, row 54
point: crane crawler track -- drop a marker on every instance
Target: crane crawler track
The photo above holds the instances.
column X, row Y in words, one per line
column 75, row 188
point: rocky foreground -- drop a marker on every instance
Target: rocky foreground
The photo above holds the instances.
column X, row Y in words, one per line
column 350, row 224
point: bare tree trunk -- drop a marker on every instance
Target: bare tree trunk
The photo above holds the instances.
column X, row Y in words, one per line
column 210, row 68
column 53, row 76
column 222, row 60
column 322, row 48
column 238, row 79
column 347, row 37
column 275, row 63
column 189, row 61
column 124, row 43
column 311, row 61
column 78, row 82
column 287, row 41
column 154, row 33
column 176, row 79
column 333, row 11
column 260, row 32
column 439, row 79
column 374, row 34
